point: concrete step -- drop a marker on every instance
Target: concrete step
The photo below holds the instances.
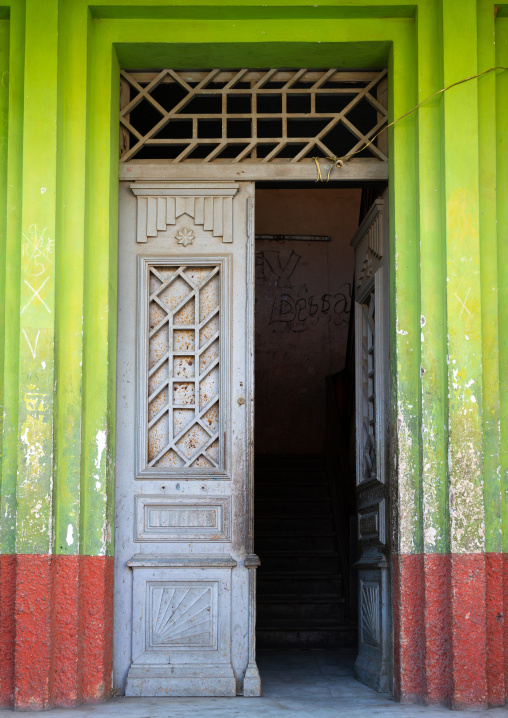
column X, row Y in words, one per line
column 290, row 479
column 331, row 638
column 299, row 590
column 280, row 461
column 309, row 624
column 297, row 608
column 284, row 525
column 277, row 491
column 295, row 541
column 290, row 507
column 298, row 585
column 321, row 561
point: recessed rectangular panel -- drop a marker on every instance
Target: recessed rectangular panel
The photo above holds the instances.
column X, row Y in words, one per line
column 371, row 522
column 189, row 518
column 181, row 615
column 181, row 413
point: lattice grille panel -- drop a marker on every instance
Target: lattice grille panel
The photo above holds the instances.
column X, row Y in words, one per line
column 183, row 367
column 368, row 388
column 239, row 116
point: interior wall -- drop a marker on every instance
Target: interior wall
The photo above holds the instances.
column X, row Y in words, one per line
column 303, row 300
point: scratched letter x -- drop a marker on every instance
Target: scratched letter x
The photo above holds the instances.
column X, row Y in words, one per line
column 464, row 303
column 35, row 293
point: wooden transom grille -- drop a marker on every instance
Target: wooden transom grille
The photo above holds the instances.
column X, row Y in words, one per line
column 242, row 116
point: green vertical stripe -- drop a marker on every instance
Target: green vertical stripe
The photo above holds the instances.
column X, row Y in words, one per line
column 433, row 286
column 488, row 276
column 502, row 252
column 99, row 360
column 70, row 252
column 4, row 129
column 404, row 296
column 36, row 363
column 12, row 286
column 463, row 277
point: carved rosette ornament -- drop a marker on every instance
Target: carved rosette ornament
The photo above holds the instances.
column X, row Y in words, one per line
column 184, row 236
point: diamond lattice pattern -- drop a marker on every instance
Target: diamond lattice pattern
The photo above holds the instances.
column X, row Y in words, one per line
column 184, row 372
column 249, row 116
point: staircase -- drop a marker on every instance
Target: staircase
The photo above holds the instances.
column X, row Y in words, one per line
column 300, row 594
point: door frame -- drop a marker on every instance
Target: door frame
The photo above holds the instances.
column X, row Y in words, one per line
column 369, row 43
column 146, row 172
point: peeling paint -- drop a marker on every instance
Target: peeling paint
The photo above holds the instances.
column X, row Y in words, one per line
column 100, row 441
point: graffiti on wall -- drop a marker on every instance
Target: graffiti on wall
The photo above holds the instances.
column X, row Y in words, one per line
column 296, row 304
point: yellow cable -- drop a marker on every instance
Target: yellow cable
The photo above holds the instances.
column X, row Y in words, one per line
column 338, row 162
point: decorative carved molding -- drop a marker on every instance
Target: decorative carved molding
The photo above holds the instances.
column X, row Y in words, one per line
column 370, row 385
column 152, row 560
column 371, row 522
column 183, row 343
column 368, row 245
column 369, row 613
column 181, row 614
column 183, row 315
column 181, row 636
column 185, row 236
column 161, row 205
column 252, row 560
column 182, row 518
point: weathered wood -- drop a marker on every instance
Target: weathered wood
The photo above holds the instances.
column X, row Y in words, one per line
column 294, row 237
column 185, row 357
column 357, row 170
column 124, row 100
column 252, row 86
column 254, row 76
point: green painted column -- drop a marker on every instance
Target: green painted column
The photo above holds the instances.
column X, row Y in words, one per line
column 489, row 263
column 11, row 305
column 502, row 252
column 405, row 299
column 37, row 285
column 4, row 143
column 463, row 295
column 433, row 371
column 70, row 273
column 101, row 231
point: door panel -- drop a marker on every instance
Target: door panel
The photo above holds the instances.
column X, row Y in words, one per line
column 183, row 561
column 373, row 665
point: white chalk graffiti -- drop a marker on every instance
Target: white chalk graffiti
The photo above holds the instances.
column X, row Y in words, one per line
column 33, row 349
column 36, row 295
column 463, row 303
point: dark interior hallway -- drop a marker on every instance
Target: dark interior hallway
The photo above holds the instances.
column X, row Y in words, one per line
column 304, row 274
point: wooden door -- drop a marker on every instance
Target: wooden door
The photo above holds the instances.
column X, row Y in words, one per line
column 372, row 391
column 184, row 581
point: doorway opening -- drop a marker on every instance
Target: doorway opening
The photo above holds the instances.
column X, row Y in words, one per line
column 197, row 147
column 305, row 499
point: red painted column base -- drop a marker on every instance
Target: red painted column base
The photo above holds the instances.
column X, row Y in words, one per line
column 56, row 630
column 450, row 630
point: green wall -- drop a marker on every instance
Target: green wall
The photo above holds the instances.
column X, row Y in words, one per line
column 59, row 83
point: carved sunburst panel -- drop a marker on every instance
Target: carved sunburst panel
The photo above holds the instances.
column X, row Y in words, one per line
column 181, row 615
column 369, row 613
